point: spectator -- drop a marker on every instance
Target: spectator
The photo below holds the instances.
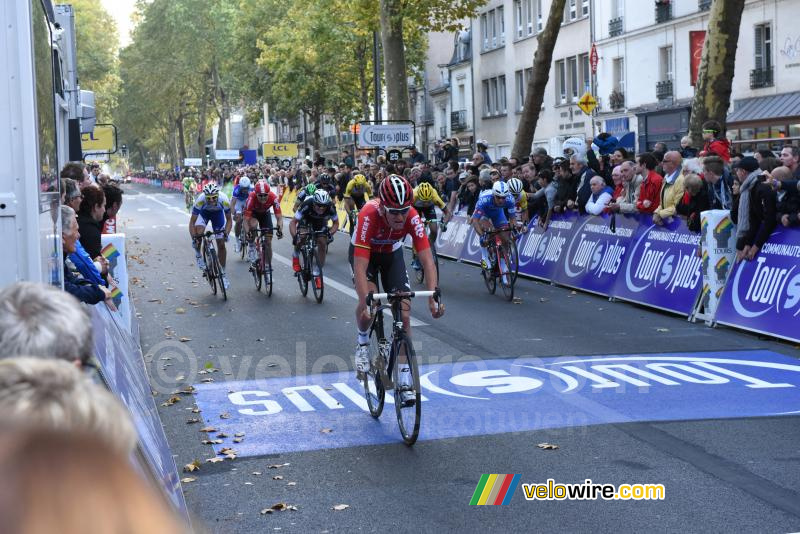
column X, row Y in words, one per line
column 543, row 201
column 50, row 393
column 659, row 158
column 694, row 201
column 650, row 189
column 483, row 149
column 70, row 483
column 541, row 160
column 446, row 185
column 347, row 158
column 762, row 154
column 768, row 164
column 90, row 215
column 415, row 156
column 103, row 179
column 715, row 142
column 719, row 183
column 468, row 194
column 94, row 170
column 619, row 183
column 567, row 186
column 75, row 171
column 82, row 289
column 790, row 157
column 600, row 197
column 449, row 151
column 583, row 175
column 506, row 171
column 687, row 150
column 477, row 160
column 486, row 178
column 42, row 321
column 113, row 195
column 672, row 188
column 660, row 146
column 755, row 216
column 788, row 199
column 618, row 156
column 72, row 193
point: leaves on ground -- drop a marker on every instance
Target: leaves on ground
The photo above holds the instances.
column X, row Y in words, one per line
column 662, row 329
column 207, row 380
column 340, row 507
column 180, row 310
column 226, row 450
column 276, row 466
column 547, row 446
column 187, row 390
column 239, row 435
column 224, row 415
column 238, row 440
column 208, row 429
column 544, row 299
column 279, row 507
column 326, row 430
column 171, row 401
column 214, row 460
column 212, row 442
column 277, row 477
column 256, row 473
column 291, row 483
column 186, row 480
column 185, row 339
column 192, row 421
column 194, row 466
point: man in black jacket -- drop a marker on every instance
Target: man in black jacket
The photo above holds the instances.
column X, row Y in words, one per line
column 755, row 213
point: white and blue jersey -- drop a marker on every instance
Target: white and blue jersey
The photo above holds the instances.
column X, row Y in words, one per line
column 485, row 207
column 213, row 213
column 240, row 194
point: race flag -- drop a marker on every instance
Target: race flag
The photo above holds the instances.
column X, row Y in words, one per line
column 109, row 252
column 116, row 292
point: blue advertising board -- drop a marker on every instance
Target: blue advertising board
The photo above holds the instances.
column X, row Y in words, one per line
column 663, row 267
column 481, row 397
column 595, row 252
column 450, row 243
column 541, row 250
column 763, row 294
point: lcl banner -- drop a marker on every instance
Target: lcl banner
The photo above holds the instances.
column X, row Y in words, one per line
column 662, row 267
column 763, row 294
column 541, row 249
column 595, row 252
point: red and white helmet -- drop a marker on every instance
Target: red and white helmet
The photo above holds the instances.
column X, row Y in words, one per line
column 396, row 192
column 262, row 188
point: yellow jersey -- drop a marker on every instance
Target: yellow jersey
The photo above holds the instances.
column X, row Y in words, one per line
column 435, row 201
column 354, row 190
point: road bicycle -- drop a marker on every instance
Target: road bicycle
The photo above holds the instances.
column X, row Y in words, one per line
column 241, row 238
column 309, row 257
column 384, row 358
column 213, row 270
column 419, row 274
column 503, row 265
column 261, row 268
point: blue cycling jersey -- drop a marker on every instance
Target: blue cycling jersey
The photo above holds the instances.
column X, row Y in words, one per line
column 202, row 207
column 240, row 193
column 486, row 207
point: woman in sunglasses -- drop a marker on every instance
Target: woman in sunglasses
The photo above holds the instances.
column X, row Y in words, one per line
column 382, row 226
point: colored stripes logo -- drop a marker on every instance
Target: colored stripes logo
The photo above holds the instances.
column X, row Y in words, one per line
column 495, row 489
column 109, row 252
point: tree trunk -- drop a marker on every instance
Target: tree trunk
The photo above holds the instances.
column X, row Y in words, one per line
column 201, row 120
column 316, row 120
column 534, row 96
column 361, row 60
column 221, row 103
column 712, row 93
column 394, row 59
column 181, row 136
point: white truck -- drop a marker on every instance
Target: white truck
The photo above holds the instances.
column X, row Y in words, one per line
column 42, row 115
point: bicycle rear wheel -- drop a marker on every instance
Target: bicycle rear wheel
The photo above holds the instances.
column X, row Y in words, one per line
column 242, row 244
column 302, row 275
column 268, row 278
column 505, row 274
column 514, row 258
column 374, row 391
column 208, row 259
column 488, row 274
column 408, row 415
column 318, row 282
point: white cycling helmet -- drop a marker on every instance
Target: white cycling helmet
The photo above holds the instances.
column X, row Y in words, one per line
column 515, row 186
column 500, row 189
column 245, row 182
column 211, row 189
column 321, row 197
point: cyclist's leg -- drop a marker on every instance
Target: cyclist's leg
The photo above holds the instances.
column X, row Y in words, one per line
column 322, row 243
column 394, row 277
column 265, row 223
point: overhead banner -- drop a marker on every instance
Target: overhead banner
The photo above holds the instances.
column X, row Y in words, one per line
column 226, row 154
column 763, row 294
column 595, row 252
column 662, row 268
column 192, row 162
column 541, row 250
column 386, row 135
column 279, row 150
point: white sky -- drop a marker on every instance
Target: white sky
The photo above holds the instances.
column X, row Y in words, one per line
column 121, row 11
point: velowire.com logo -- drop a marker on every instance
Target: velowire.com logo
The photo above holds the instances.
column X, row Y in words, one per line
column 495, row 489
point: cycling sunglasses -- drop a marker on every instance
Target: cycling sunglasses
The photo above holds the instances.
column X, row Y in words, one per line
column 262, row 196
column 398, row 211
column 213, row 198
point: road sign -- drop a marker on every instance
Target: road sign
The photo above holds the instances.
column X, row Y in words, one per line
column 279, row 150
column 102, row 139
column 587, row 103
column 281, row 415
column 192, row 162
column 593, row 59
column 386, row 135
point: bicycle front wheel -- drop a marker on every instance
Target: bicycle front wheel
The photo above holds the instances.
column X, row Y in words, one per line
column 302, row 275
column 505, row 274
column 409, row 414
column 217, row 270
column 317, row 282
column 209, row 257
column 374, row 390
column 488, row 274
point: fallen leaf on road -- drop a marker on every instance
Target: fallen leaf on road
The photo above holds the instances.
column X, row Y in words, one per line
column 340, row 507
column 230, row 456
column 260, row 339
column 212, row 442
column 239, row 435
column 192, row 421
column 194, row 466
column 196, row 410
column 544, row 299
column 326, row 430
column 276, row 466
column 238, row 440
column 180, row 377
column 225, row 415
column 547, row 446
column 279, row 507
column 517, row 300
column 214, row 460
column 334, row 317
column 248, row 483
column 180, row 310
column 186, row 480
column 171, row 401
column 291, row 483
column 222, row 435
column 226, row 450
column 155, row 300
column 256, row 473
column 187, row 390
column 185, row 339
column 662, row 329
column 207, row 380
column 277, row 477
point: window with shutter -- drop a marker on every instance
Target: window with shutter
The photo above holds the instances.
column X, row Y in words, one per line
column 759, row 48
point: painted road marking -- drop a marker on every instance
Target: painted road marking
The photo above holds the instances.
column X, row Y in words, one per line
column 143, row 209
column 350, row 292
column 497, row 396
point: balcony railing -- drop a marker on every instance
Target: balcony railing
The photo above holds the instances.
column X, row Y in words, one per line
column 664, row 89
column 615, row 27
column 458, row 120
column 663, row 11
column 616, row 100
column 704, row 5
column 761, row 78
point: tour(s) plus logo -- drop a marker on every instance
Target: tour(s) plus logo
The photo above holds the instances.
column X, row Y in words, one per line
column 592, row 250
column 657, row 260
column 770, row 286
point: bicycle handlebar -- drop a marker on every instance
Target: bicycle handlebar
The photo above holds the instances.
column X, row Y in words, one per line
column 436, row 294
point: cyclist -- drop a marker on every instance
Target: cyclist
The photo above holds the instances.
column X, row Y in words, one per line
column 324, row 181
column 211, row 206
column 383, row 224
column 314, row 215
column 188, row 190
column 491, row 208
column 256, row 214
column 515, row 187
column 238, row 199
column 308, row 191
column 426, row 199
column 356, row 194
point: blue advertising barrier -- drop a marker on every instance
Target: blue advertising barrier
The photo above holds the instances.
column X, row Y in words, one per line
column 541, row 249
column 763, row 295
column 450, row 243
column 123, row 369
column 595, row 252
column 663, row 267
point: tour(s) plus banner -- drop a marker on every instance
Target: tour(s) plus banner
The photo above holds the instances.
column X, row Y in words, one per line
column 718, row 240
column 541, row 249
column 763, row 294
column 595, row 252
column 662, row 267
column 450, row 243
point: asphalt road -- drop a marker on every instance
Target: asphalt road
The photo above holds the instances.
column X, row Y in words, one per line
column 720, row 474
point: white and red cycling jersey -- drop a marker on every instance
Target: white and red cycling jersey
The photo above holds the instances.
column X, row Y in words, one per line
column 254, row 205
column 374, row 235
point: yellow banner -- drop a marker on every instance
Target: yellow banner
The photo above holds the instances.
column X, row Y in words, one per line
column 102, row 139
column 278, row 150
column 164, row 166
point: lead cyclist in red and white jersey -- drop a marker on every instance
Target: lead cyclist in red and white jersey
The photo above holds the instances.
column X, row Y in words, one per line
column 382, row 225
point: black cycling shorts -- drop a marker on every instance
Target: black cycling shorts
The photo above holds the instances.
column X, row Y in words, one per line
column 392, row 269
column 316, row 225
column 264, row 219
column 359, row 200
column 429, row 213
